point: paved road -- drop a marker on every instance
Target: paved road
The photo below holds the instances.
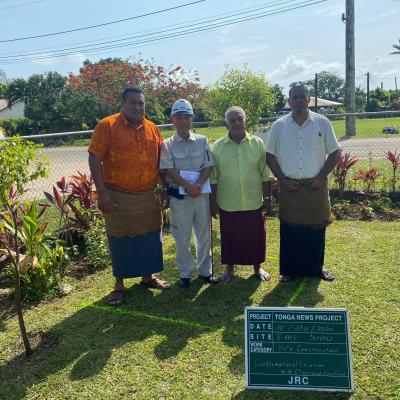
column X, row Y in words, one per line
column 66, row 161
column 377, row 147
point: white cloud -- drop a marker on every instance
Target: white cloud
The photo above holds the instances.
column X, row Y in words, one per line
column 238, row 53
column 45, row 60
column 297, row 68
column 379, row 17
column 331, row 10
column 66, row 63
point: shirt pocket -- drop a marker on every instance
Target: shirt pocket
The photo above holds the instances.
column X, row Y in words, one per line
column 197, row 160
column 318, row 141
column 180, row 160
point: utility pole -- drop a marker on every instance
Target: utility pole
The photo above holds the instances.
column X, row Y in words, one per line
column 316, row 93
column 350, row 69
column 367, row 89
column 395, row 83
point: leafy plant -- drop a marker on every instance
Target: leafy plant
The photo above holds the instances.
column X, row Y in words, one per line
column 76, row 202
column 96, row 245
column 342, row 169
column 41, row 267
column 366, row 212
column 368, row 177
column 341, row 209
column 394, row 158
column 381, row 204
column 42, row 276
column 19, row 165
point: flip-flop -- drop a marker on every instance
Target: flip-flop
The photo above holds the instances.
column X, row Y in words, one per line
column 327, row 275
column 263, row 276
column 285, row 278
column 227, row 277
column 156, row 283
column 116, row 298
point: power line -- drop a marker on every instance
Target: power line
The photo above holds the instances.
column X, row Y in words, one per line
column 135, row 34
column 151, row 32
column 21, row 5
column 160, row 37
column 102, row 24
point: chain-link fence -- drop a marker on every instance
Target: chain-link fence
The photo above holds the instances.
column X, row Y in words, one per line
column 376, row 133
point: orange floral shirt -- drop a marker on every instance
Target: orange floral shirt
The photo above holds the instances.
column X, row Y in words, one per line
column 130, row 156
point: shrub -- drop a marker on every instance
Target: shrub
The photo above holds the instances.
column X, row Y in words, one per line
column 96, row 245
column 381, row 204
column 394, row 158
column 368, row 177
column 18, row 126
column 341, row 209
column 76, row 202
column 342, row 169
column 42, row 276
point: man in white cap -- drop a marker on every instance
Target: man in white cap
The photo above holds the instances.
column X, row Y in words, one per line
column 187, row 162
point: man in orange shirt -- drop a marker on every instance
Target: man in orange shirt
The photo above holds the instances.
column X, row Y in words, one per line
column 123, row 159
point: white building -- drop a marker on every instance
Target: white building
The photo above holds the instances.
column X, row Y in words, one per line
column 15, row 111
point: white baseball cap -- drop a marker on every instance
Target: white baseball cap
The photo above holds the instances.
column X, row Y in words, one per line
column 182, row 106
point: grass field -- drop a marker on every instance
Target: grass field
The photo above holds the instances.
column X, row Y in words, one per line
column 366, row 128
column 189, row 344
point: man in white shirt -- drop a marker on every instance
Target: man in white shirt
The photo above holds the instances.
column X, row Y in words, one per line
column 301, row 152
column 186, row 161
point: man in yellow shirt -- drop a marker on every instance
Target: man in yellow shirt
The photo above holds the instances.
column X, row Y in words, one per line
column 241, row 192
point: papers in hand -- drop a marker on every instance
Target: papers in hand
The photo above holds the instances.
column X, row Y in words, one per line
column 192, row 177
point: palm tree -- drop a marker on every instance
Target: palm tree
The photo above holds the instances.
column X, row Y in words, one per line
column 397, row 47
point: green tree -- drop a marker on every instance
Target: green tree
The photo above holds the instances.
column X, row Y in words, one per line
column 330, row 86
column 373, row 105
column 19, row 166
column 77, row 110
column 3, row 82
column 379, row 94
column 397, row 47
column 361, row 99
column 41, row 95
column 52, row 105
column 240, row 87
column 280, row 99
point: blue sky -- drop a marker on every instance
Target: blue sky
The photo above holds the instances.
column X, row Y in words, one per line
column 286, row 47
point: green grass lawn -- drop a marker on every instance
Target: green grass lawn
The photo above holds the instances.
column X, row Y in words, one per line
column 188, row 344
column 366, row 128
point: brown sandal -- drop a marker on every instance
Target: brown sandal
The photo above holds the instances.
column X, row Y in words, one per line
column 156, row 283
column 116, row 298
column 285, row 278
column 326, row 275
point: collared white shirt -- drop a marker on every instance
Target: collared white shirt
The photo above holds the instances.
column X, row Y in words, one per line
column 301, row 151
column 188, row 155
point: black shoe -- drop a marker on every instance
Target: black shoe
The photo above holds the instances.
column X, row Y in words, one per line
column 212, row 280
column 184, row 283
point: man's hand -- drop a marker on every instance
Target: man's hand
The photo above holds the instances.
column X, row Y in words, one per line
column 193, row 190
column 214, row 209
column 267, row 206
column 164, row 198
column 104, row 201
column 316, row 183
column 290, row 184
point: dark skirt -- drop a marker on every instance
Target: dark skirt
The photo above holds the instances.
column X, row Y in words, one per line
column 302, row 250
column 243, row 237
column 137, row 256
